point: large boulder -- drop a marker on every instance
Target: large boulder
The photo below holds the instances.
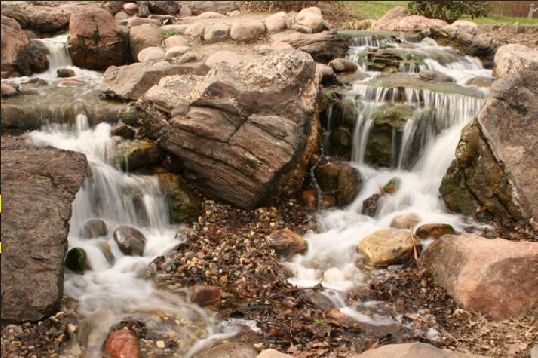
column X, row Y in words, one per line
column 323, row 46
column 495, row 167
column 38, row 187
column 247, row 30
column 163, row 7
column 20, row 55
column 132, row 81
column 241, row 130
column 130, row 241
column 413, row 350
column 311, row 18
column 95, row 41
column 276, row 22
column 397, row 19
column 512, row 58
column 497, row 277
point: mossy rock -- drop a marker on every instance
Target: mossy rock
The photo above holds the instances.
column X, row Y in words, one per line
column 137, row 154
column 395, row 116
column 76, row 260
column 184, row 205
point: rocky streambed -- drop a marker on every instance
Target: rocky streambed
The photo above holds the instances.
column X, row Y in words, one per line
column 236, row 183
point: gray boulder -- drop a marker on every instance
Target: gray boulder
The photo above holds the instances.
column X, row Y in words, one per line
column 38, row 187
column 129, row 240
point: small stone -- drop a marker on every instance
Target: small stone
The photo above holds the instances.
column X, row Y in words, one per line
column 65, row 72
column 160, row 344
column 122, row 344
column 434, row 230
column 287, row 243
column 405, row 221
column 387, row 247
column 205, row 295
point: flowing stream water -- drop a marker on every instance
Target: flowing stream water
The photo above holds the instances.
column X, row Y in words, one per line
column 332, row 259
column 114, row 290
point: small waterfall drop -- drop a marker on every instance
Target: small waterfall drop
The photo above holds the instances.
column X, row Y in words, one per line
column 421, row 152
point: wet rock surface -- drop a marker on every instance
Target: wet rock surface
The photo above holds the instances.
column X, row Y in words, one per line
column 39, row 185
column 129, row 240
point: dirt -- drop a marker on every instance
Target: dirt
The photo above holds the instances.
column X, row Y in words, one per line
column 514, row 34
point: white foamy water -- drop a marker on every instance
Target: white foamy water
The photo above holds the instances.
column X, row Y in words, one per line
column 113, row 291
column 332, row 256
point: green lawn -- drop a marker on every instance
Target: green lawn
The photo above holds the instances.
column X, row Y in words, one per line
column 376, row 9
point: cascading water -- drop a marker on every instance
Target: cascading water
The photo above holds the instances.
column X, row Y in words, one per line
column 113, row 290
column 436, row 124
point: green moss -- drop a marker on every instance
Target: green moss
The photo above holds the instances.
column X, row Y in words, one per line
column 76, row 260
column 169, row 32
column 251, row 163
column 396, row 116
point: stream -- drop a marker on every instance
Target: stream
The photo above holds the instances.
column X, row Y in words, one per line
column 115, row 289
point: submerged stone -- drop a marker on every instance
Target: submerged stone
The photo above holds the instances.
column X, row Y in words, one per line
column 387, row 247
column 94, row 228
column 76, row 260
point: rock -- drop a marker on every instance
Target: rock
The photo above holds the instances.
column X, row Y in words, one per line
column 387, row 247
column 95, row 42
column 323, row 47
column 237, row 128
column 311, row 18
column 287, row 243
column 175, row 40
column 185, row 11
column 216, row 32
column 8, row 90
column 247, row 30
column 339, row 179
column 480, row 82
column 175, row 51
column 123, row 130
column 494, row 167
column 151, row 54
column 65, row 72
column 413, row 350
column 184, row 206
column 121, row 16
column 94, row 228
column 137, row 21
column 122, row 343
column 512, row 58
column 405, row 221
column 434, row 76
column 70, row 82
column 278, row 46
column 143, row 36
column 14, row 41
column 465, row 26
column 210, row 15
column 205, row 295
column 434, row 230
column 228, row 57
column 132, row 81
column 188, row 56
column 163, row 7
column 39, row 18
column 276, row 22
column 496, row 277
column 135, row 154
column 195, row 30
column 38, row 188
column 228, row 350
column 370, row 205
column 130, row 241
column 143, row 9
column 130, row 8
column 221, row 7
column 326, row 73
column 107, row 252
column 76, row 260
column 396, row 19
column 272, row 353
column 343, row 65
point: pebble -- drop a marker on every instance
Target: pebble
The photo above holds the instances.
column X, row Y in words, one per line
column 160, row 344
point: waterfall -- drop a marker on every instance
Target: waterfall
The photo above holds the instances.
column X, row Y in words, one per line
column 57, row 56
column 430, row 136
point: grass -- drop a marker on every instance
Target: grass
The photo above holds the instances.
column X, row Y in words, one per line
column 376, row 9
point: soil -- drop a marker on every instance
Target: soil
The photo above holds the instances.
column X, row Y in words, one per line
column 514, row 34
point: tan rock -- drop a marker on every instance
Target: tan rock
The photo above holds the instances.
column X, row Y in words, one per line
column 247, row 30
column 497, row 277
column 143, row 36
column 210, row 15
column 130, row 8
column 512, row 58
column 195, row 30
column 175, row 51
column 14, row 40
column 311, row 18
column 396, row 19
column 466, row 26
column 151, row 54
column 413, row 350
column 434, row 230
column 276, row 22
column 137, row 21
column 387, row 247
column 287, row 243
column 405, row 221
column 230, row 57
column 216, row 32
column 272, row 353
column 175, row 40
column 343, row 65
